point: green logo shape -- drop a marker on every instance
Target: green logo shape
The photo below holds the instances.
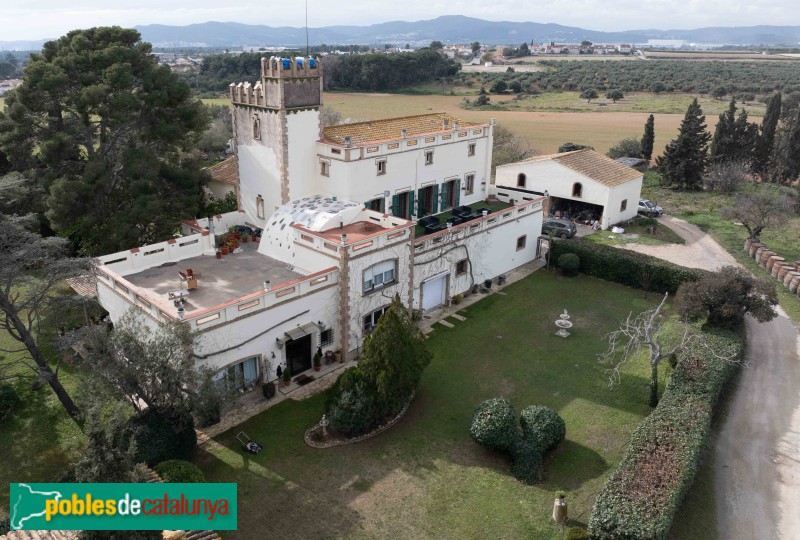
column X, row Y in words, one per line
column 123, row 507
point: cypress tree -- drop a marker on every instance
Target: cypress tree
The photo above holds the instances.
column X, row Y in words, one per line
column 648, row 138
column 762, row 152
column 788, row 157
column 734, row 136
column 685, row 158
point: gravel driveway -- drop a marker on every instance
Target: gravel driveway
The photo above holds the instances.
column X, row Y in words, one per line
column 757, row 449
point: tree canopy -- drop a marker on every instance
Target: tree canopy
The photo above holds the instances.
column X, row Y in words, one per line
column 648, row 138
column 685, row 158
column 766, row 136
column 734, row 137
column 104, row 130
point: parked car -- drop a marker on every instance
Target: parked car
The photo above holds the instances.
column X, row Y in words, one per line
column 559, row 227
column 649, row 209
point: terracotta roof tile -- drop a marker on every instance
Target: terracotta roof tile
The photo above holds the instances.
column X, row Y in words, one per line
column 598, row 167
column 390, row 128
column 593, row 165
column 226, row 171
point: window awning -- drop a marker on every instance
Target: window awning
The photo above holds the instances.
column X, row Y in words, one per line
column 300, row 331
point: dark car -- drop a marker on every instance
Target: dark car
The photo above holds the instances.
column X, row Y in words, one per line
column 559, row 227
column 649, row 209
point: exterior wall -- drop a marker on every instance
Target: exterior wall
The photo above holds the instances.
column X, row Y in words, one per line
column 353, row 172
column 256, row 334
column 558, row 181
column 260, row 161
column 302, row 131
column 219, row 189
column 490, row 245
column 138, row 259
column 632, row 191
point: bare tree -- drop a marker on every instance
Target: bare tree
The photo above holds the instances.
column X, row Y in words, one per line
column 509, row 147
column 727, row 176
column 330, row 117
column 760, row 207
column 31, row 267
column 644, row 331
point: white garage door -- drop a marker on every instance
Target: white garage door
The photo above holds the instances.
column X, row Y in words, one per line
column 433, row 292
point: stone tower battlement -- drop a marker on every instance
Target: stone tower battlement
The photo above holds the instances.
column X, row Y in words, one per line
column 286, row 83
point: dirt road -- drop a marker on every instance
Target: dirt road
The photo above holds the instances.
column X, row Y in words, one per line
column 757, row 450
column 699, row 251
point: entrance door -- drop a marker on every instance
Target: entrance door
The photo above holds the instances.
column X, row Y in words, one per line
column 298, row 354
column 433, row 292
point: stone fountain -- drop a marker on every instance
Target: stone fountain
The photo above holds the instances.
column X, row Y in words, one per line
column 563, row 324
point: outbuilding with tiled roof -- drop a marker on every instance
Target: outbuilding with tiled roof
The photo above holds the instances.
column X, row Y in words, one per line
column 584, row 185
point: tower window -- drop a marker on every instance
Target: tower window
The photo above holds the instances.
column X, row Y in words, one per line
column 257, row 128
column 381, row 166
column 521, row 179
column 429, row 157
column 471, row 149
column 260, row 207
column 577, row 190
column 325, row 168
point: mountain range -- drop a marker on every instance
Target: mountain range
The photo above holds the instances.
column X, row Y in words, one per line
column 448, row 29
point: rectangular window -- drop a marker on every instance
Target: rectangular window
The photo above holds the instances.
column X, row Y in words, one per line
column 623, row 206
column 381, row 166
column 429, row 157
column 521, row 242
column 260, row 207
column 461, row 267
column 376, row 204
column 469, row 183
column 326, row 337
column 379, row 275
column 324, row 168
column 471, row 149
column 371, row 320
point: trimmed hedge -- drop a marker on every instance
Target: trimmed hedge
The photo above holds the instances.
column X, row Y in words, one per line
column 626, row 267
column 178, row 470
column 640, row 499
column 494, row 425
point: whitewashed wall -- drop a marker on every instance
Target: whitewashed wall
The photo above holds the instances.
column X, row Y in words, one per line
column 137, row 259
column 632, row 191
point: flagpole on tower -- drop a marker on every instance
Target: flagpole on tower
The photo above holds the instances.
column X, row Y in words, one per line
column 306, row 28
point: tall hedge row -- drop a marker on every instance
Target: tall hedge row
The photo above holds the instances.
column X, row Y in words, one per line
column 626, row 267
column 640, row 499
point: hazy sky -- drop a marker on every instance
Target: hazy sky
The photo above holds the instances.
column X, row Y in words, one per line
column 26, row 19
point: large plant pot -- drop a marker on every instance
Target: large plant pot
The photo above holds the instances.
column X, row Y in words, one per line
column 338, row 356
column 219, row 255
column 268, row 389
column 224, row 250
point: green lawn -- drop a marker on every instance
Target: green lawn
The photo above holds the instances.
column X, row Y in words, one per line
column 425, row 478
column 39, row 440
column 637, row 233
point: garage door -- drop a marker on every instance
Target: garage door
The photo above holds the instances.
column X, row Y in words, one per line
column 433, row 292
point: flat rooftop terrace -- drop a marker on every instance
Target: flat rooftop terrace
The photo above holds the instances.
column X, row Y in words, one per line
column 219, row 281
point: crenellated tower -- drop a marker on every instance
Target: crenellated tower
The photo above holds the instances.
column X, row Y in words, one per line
column 276, row 123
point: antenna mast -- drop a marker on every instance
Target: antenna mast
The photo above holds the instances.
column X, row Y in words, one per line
column 307, row 29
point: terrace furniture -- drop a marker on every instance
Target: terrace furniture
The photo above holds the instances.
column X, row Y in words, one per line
column 455, row 220
column 178, row 296
column 431, row 224
column 462, row 211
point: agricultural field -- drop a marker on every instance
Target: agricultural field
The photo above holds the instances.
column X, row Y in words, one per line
column 545, row 131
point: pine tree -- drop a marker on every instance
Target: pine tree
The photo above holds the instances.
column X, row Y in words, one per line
column 762, row 152
column 787, row 155
column 648, row 138
column 685, row 158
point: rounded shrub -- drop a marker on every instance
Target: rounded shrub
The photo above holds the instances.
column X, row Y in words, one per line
column 178, row 470
column 569, row 263
column 494, row 425
column 161, row 437
column 542, row 425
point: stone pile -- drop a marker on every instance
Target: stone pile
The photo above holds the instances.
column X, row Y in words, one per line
column 784, row 271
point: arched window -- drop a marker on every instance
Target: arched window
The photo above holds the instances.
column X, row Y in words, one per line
column 521, row 178
column 577, row 190
column 256, row 128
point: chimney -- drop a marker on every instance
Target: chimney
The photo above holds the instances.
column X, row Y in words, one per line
column 348, row 141
column 446, row 123
column 267, row 285
column 455, row 125
column 403, row 132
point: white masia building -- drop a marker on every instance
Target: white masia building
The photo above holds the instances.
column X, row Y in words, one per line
column 339, row 208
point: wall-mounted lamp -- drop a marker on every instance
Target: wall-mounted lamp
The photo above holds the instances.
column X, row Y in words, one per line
column 321, row 325
column 279, row 343
column 273, row 354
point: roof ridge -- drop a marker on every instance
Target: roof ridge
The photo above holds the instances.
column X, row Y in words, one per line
column 393, row 118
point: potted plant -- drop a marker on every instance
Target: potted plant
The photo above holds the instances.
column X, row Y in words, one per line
column 318, row 360
column 287, row 376
column 218, row 253
column 244, row 238
column 254, row 238
column 269, row 389
column 224, row 249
